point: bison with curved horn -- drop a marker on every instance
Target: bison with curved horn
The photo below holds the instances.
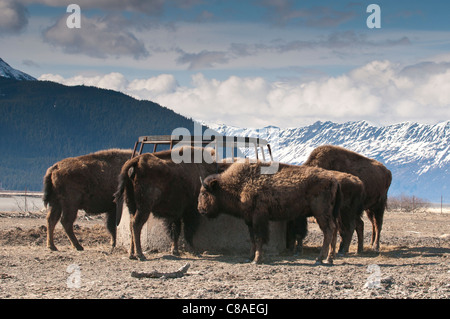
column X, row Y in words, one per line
column 293, row 191
column 85, row 182
column 374, row 175
column 352, row 207
column 169, row 190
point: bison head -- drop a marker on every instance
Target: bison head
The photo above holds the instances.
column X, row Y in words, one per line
column 207, row 199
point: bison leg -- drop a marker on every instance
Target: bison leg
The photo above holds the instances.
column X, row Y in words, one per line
column 174, row 230
column 260, row 235
column 111, row 226
column 190, row 224
column 137, row 222
column 53, row 215
column 346, row 235
column 375, row 216
column 359, row 226
column 328, row 228
column 300, row 226
column 68, row 218
column 290, row 235
column 132, row 253
column 252, row 240
column 258, row 251
column 371, row 217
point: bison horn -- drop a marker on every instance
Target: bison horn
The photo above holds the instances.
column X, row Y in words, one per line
column 203, row 183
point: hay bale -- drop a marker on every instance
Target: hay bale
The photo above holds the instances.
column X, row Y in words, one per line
column 224, row 235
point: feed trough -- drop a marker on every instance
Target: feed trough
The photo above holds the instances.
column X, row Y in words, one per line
column 225, row 234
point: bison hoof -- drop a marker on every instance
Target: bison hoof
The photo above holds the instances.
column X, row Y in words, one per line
column 326, row 262
column 53, row 248
column 298, row 253
column 176, row 253
column 196, row 254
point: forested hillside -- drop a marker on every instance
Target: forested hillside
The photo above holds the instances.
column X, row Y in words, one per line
column 42, row 122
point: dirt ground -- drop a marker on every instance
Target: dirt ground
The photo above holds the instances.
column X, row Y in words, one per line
column 413, row 263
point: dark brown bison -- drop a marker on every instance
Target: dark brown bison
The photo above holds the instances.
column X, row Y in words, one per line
column 293, row 191
column 352, row 207
column 169, row 190
column 85, row 182
column 374, row 175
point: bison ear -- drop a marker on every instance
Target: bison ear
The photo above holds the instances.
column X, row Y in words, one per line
column 210, row 184
column 213, row 184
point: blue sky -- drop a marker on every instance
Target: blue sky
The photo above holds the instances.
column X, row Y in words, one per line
column 245, row 63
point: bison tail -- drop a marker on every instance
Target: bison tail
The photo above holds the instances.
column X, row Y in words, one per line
column 125, row 186
column 337, row 202
column 48, row 185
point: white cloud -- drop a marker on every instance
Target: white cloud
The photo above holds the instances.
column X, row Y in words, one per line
column 379, row 92
column 153, row 87
column 113, row 81
column 434, row 92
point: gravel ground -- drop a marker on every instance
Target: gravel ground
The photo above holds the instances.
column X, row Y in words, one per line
column 413, row 263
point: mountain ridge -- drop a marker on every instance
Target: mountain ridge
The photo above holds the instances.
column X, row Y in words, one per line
column 417, row 154
column 43, row 122
column 9, row 72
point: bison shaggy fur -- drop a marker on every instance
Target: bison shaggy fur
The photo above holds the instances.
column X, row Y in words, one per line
column 154, row 183
column 293, row 191
column 352, row 207
column 374, row 175
column 85, row 182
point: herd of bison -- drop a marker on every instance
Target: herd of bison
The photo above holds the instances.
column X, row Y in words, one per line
column 335, row 186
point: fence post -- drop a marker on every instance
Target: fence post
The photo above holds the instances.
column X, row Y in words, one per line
column 25, row 198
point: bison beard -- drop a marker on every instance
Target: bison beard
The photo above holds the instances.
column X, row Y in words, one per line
column 290, row 193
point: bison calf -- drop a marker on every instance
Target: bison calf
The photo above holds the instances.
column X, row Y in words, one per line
column 293, row 191
column 352, row 207
column 85, row 182
column 374, row 175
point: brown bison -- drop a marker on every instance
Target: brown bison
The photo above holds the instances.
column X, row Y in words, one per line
column 293, row 191
column 374, row 175
column 85, row 182
column 169, row 190
column 352, row 207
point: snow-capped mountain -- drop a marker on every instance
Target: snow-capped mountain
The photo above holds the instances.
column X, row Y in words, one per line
column 417, row 154
column 9, row 72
